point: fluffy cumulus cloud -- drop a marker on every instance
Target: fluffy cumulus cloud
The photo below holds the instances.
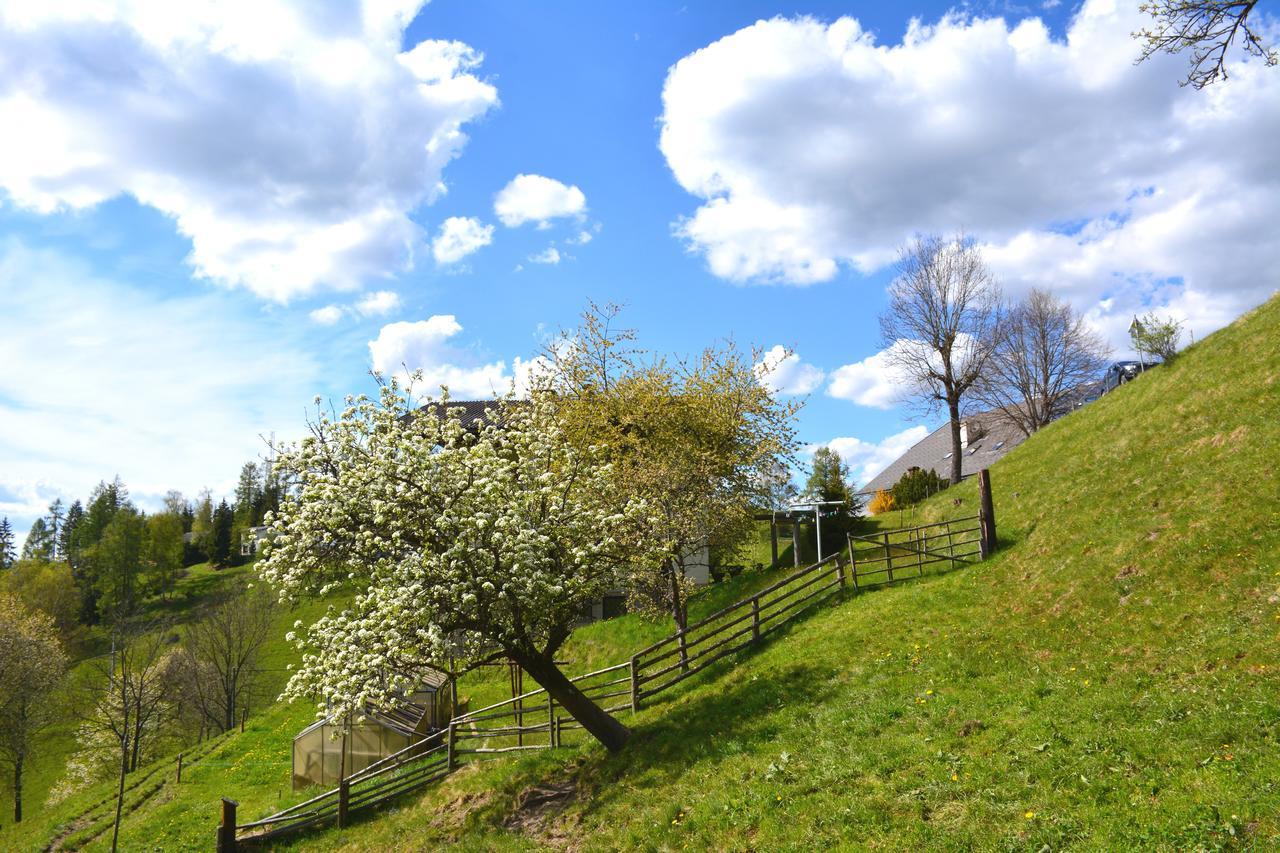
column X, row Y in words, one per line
column 458, row 237
column 326, row 316
column 785, row 373
column 427, row 345
column 535, row 198
column 813, row 146
column 378, row 303
column 289, row 141
column 867, row 459
column 874, row 382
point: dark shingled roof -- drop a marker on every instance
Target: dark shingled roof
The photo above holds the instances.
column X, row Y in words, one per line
column 990, row 437
column 474, row 412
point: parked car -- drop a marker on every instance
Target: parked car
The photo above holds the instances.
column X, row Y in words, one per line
column 1121, row 372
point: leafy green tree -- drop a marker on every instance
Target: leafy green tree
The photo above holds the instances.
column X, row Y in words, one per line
column 164, row 551
column 1155, row 336
column 32, row 665
column 105, row 501
column 39, row 544
column 248, row 496
column 116, row 563
column 8, row 550
column 220, row 539
column 47, row 587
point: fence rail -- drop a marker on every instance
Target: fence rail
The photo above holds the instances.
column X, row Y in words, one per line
column 532, row 720
column 901, row 554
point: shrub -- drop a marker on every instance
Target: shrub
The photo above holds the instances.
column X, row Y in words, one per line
column 916, row 485
column 882, row 502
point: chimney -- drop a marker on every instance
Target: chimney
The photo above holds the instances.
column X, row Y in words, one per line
column 964, row 435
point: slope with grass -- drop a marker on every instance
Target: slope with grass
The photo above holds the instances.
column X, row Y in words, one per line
column 1109, row 679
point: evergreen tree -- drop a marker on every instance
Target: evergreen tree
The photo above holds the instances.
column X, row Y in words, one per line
column 220, row 536
column 54, row 526
column 106, row 500
column 829, row 481
column 67, row 535
column 248, row 496
column 8, row 550
column 39, row 544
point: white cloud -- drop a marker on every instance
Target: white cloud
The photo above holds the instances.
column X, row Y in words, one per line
column 459, row 236
column 582, row 238
column 378, row 303
column 289, row 141
column 812, row 147
column 534, row 198
column 326, row 316
column 402, row 348
column 549, row 255
column 785, row 373
column 85, row 396
column 867, row 459
column 871, row 382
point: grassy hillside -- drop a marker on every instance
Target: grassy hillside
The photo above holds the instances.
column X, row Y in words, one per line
column 1108, row 680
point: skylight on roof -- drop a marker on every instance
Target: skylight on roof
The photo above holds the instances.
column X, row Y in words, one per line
column 997, row 445
column 948, row 456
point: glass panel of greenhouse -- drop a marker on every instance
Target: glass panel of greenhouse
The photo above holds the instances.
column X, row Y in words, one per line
column 318, row 749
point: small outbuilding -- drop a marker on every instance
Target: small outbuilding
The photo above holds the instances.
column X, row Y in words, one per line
column 318, row 750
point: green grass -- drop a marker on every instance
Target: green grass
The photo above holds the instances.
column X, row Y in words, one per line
column 1108, row 680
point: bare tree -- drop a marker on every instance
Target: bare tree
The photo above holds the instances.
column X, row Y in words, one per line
column 125, row 699
column 221, row 653
column 1043, row 351
column 943, row 307
column 1206, row 28
column 32, row 665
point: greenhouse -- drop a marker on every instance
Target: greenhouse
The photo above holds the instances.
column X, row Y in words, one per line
column 318, row 750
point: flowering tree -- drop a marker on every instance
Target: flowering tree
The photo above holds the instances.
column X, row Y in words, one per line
column 460, row 542
column 700, row 441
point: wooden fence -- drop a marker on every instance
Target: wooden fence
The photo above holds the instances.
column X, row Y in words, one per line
column 894, row 555
column 532, row 720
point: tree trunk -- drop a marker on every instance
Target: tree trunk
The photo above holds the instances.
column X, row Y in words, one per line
column 124, row 768
column 602, row 726
column 678, row 611
column 957, row 452
column 17, row 789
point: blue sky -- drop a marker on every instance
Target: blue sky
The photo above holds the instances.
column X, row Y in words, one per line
column 207, row 216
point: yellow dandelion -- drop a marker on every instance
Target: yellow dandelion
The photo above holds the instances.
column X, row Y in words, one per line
column 955, row 777
column 1029, row 815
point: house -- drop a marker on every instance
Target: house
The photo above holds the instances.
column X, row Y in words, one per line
column 251, row 539
column 984, row 438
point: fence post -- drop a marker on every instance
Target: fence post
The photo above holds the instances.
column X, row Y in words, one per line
column 840, row 573
column 449, row 750
column 987, row 514
column 227, row 829
column 773, row 539
column 853, row 561
column 795, row 542
column 635, row 683
column 951, row 545
column 179, row 779
column 920, row 540
column 551, row 718
column 244, row 717
column 344, row 798
column 755, row 618
column 684, row 649
column 888, row 556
